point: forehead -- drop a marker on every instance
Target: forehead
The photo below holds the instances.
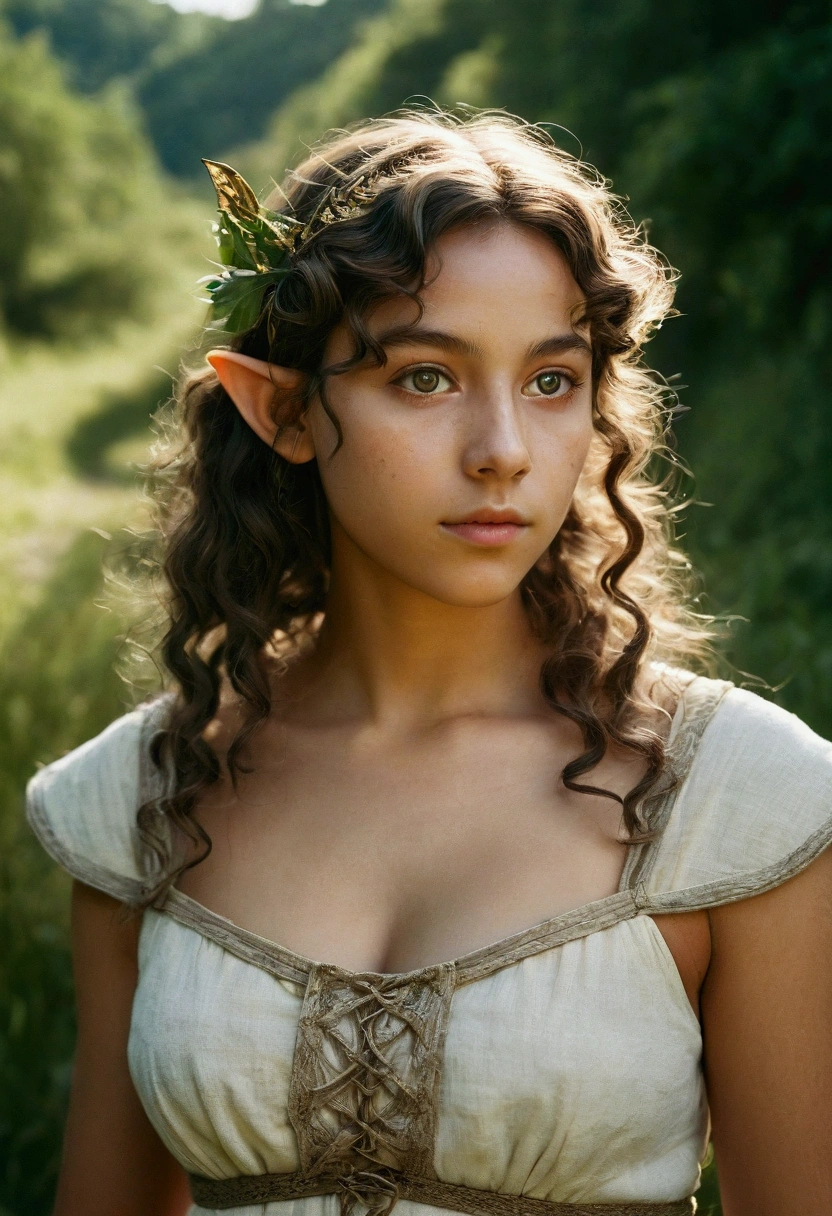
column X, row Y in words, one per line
column 500, row 276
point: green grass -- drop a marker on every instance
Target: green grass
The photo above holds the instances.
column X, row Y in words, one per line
column 68, row 495
column 57, row 687
column 52, row 400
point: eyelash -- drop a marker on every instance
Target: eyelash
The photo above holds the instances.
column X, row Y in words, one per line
column 572, row 381
column 421, row 367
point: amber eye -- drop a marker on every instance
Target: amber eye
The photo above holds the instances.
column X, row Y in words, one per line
column 425, row 380
column 549, row 384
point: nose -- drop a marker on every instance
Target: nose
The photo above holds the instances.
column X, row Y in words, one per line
column 496, row 443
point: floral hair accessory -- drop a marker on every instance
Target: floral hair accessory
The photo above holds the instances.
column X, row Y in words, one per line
column 257, row 245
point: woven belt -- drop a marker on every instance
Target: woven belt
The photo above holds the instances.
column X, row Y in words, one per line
column 379, row 1192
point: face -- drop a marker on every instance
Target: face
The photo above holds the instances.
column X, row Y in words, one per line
column 461, row 454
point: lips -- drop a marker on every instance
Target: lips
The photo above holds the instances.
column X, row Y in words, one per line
column 488, row 527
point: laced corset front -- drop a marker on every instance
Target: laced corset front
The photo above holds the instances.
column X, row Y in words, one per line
column 364, row 1091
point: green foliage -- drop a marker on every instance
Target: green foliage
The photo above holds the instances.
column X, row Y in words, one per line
column 255, row 244
column 100, row 40
column 206, row 101
column 348, row 90
column 707, row 1197
column 732, row 165
column 57, row 688
column 83, row 236
column 119, row 416
column 204, row 85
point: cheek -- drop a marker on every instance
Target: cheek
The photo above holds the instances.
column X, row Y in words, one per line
column 582, row 443
column 562, row 448
column 380, row 472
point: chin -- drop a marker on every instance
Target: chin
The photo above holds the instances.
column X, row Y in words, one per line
column 467, row 593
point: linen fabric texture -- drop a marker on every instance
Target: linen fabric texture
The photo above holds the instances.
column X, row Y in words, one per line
column 563, row 1063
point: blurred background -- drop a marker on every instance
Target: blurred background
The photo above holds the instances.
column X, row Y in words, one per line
column 712, row 119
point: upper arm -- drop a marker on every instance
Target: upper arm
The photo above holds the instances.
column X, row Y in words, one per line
column 114, row 1163
column 767, row 1020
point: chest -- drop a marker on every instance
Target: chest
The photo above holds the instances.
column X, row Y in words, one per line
column 549, row 1064
column 387, row 857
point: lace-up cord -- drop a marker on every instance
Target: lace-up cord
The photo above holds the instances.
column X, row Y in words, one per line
column 362, row 1100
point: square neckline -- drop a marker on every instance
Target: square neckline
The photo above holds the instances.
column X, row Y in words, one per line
column 475, row 964
column 624, row 903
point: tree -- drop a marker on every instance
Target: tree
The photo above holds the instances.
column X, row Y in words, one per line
column 80, row 243
column 101, row 40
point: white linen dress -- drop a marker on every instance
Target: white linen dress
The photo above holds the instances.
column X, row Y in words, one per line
column 556, row 1071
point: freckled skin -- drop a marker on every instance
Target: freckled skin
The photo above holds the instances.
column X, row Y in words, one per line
column 483, row 442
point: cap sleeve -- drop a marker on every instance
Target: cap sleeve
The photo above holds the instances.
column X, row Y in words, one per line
column 754, row 809
column 83, row 807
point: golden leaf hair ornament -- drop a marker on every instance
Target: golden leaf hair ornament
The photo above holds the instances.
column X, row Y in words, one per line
column 256, row 246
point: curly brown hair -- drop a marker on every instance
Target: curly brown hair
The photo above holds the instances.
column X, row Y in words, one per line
column 246, row 532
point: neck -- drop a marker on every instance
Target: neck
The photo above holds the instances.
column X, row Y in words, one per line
column 392, row 654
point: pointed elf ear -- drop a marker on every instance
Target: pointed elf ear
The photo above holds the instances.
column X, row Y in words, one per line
column 263, row 392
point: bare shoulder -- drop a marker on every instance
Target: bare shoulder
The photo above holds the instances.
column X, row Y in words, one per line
column 113, row 1159
column 102, row 926
column 767, row 1019
column 778, row 943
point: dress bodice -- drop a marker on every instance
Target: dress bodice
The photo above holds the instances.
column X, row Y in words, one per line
column 561, row 1064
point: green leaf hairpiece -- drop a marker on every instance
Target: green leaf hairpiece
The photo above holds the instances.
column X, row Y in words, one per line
column 256, row 246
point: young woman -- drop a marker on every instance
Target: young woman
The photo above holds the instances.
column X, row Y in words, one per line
column 429, row 670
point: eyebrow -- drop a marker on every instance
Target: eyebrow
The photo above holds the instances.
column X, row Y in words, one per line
column 415, row 335
column 559, row 344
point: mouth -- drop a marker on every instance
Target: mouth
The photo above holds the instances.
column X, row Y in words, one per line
column 487, row 527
